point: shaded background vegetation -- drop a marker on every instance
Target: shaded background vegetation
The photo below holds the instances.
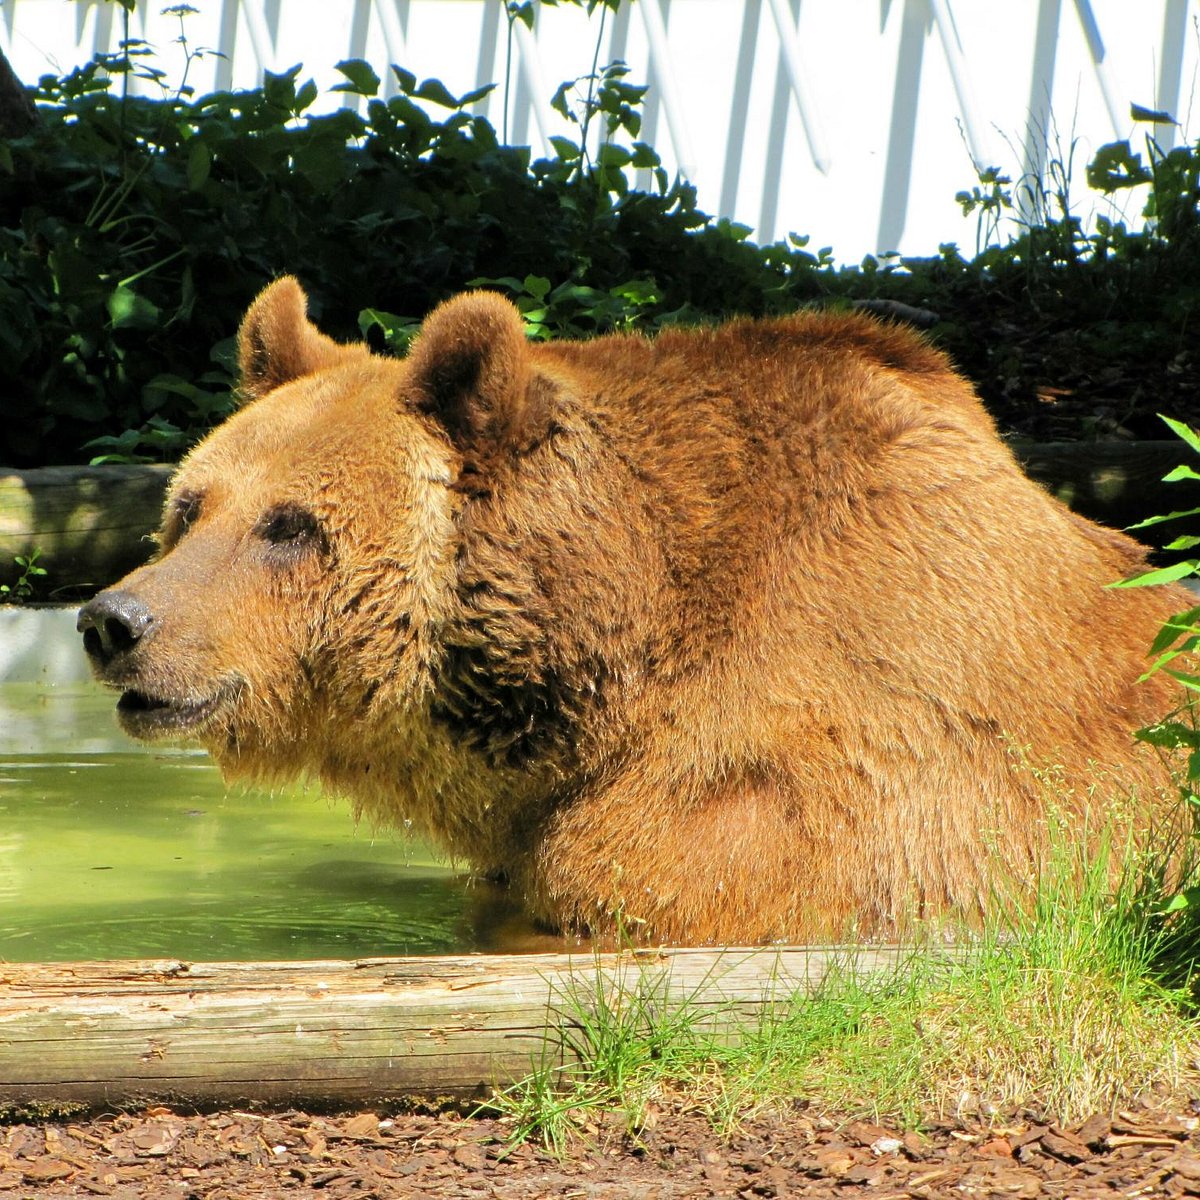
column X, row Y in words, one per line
column 134, row 231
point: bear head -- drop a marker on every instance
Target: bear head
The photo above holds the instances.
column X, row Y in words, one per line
column 307, row 553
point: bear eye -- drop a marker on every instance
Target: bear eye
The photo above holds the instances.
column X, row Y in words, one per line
column 288, row 525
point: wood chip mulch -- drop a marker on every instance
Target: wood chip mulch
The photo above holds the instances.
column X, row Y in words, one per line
column 161, row 1154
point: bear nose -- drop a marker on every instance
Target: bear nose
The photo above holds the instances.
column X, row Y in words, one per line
column 112, row 623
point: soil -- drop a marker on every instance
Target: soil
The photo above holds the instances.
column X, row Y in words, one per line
column 242, row 1156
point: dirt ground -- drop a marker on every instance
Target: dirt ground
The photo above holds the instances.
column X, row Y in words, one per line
column 160, row 1154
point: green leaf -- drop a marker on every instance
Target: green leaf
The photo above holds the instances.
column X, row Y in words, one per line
column 1191, row 682
column 408, row 113
column 508, row 282
column 322, row 163
column 559, row 102
column 1188, row 898
column 537, row 286
column 305, row 97
column 1169, row 735
column 280, row 90
column 483, row 134
column 1179, row 570
column 361, row 76
column 644, row 156
column 398, row 332
column 436, row 92
column 199, row 164
column 1115, row 167
column 522, row 12
column 613, row 156
column 389, row 324
column 1186, row 432
column 1171, row 516
column 75, row 275
column 566, row 149
column 1160, row 663
column 1187, row 542
column 638, row 291
column 474, row 96
column 1180, row 472
column 1156, row 116
column 1173, row 629
column 128, row 310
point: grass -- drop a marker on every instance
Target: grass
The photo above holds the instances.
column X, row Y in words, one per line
column 1074, row 999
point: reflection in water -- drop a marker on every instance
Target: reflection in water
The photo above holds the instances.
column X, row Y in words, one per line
column 112, row 850
column 10, row 852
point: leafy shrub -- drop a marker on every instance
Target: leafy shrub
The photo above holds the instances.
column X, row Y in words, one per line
column 22, row 588
column 134, row 231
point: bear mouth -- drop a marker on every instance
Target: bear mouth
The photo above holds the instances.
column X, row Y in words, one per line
column 148, row 717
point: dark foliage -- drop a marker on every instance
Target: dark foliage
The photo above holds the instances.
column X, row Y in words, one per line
column 134, row 231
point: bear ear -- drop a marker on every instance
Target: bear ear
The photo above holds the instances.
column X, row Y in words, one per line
column 278, row 343
column 469, row 368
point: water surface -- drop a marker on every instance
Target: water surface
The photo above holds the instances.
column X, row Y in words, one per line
column 110, row 849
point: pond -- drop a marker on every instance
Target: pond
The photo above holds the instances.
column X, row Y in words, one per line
column 111, row 849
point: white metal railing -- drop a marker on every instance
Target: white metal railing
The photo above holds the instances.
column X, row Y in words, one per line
column 855, row 121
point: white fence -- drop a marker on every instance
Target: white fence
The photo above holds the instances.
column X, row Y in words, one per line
column 853, row 121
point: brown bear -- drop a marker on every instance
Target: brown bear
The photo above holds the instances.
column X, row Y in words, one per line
column 737, row 634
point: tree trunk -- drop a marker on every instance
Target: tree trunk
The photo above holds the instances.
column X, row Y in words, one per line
column 17, row 112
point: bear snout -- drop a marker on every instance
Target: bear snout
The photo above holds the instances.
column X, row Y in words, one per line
column 112, row 624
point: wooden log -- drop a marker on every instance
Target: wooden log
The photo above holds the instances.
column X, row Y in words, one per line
column 353, row 1032
column 89, row 525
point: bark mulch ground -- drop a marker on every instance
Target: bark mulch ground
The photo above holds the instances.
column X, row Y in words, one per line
column 160, row 1154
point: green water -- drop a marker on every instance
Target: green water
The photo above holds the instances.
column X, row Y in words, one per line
column 112, row 850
